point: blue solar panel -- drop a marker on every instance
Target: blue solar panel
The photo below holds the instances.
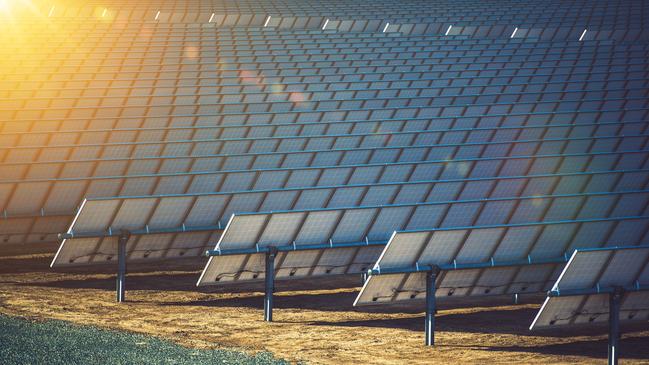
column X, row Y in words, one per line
column 581, row 293
column 487, row 259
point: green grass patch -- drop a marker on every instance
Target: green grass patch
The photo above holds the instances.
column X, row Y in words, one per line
column 57, row 342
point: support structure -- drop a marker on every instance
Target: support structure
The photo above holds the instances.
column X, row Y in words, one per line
column 615, row 300
column 270, row 284
column 429, row 327
column 615, row 297
column 121, row 265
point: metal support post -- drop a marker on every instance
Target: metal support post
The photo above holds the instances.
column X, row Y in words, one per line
column 270, row 284
column 121, row 265
column 363, row 278
column 615, row 299
column 431, row 309
column 515, row 299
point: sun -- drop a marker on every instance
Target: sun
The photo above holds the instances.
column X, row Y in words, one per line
column 4, row 6
column 7, row 7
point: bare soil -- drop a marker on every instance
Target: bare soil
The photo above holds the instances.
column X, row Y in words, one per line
column 314, row 321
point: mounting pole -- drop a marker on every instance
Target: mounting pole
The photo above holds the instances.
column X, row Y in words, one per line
column 615, row 300
column 121, row 265
column 363, row 278
column 431, row 277
column 270, row 284
column 515, row 299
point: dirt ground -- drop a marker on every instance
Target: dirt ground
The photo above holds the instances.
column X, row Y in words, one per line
column 314, row 322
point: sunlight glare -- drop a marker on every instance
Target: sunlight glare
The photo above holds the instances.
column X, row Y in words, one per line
column 4, row 6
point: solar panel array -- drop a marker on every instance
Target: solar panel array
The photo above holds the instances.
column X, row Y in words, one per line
column 446, row 148
column 487, row 133
column 593, row 273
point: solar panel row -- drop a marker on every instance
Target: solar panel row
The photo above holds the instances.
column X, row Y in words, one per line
column 60, row 197
column 391, row 155
column 553, row 13
column 350, row 225
column 490, row 260
column 298, row 136
column 214, row 209
column 580, row 294
column 598, row 285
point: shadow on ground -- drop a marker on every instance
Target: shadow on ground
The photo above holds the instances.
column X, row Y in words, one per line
column 631, row 347
column 489, row 315
column 516, row 322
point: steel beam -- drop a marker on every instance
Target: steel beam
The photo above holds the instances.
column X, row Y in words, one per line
column 429, row 327
column 637, row 287
column 290, row 248
column 121, row 265
column 467, row 266
column 615, row 300
column 270, row 284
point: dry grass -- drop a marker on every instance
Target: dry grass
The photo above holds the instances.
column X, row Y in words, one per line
column 315, row 322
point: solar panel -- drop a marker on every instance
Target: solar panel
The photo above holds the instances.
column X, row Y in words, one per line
column 142, row 246
column 487, row 260
column 600, row 285
column 581, row 293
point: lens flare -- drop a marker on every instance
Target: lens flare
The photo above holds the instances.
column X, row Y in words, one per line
column 191, row 52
